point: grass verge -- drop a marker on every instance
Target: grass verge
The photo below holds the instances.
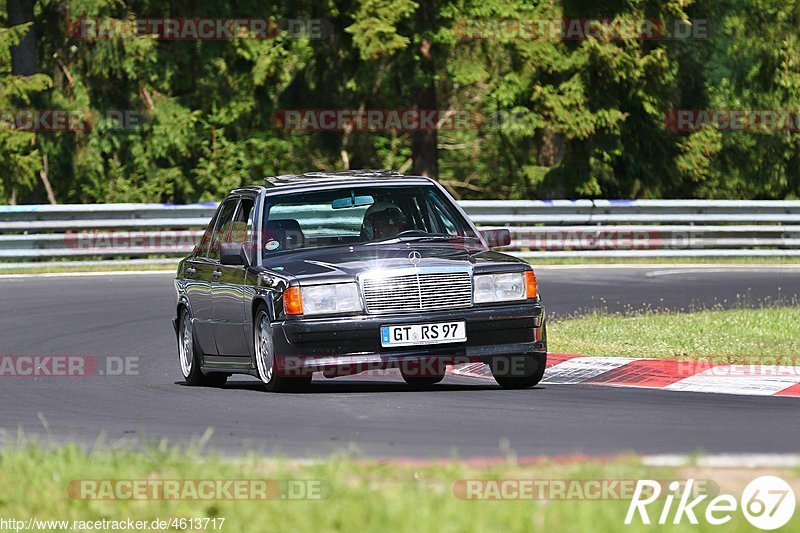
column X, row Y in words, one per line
column 768, row 335
column 546, row 261
column 361, row 496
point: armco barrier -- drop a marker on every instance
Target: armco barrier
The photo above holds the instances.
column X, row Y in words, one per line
column 153, row 233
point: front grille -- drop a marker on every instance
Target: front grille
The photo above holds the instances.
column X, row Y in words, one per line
column 418, row 292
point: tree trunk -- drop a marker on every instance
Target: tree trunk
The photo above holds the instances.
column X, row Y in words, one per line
column 45, row 175
column 551, row 148
column 23, row 55
column 23, row 63
column 424, row 143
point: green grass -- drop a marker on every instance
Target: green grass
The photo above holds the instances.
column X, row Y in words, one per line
column 769, row 335
column 784, row 260
column 364, row 495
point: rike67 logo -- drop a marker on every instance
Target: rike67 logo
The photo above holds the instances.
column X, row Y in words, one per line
column 767, row 502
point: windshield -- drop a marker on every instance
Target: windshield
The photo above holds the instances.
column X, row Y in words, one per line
column 360, row 215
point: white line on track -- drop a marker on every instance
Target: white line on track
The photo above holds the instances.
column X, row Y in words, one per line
column 747, row 460
column 682, row 271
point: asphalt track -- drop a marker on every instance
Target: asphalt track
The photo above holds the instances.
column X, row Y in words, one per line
column 129, row 316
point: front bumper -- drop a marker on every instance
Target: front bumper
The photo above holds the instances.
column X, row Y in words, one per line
column 314, row 344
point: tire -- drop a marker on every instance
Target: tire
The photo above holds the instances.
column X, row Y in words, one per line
column 189, row 357
column 414, row 374
column 518, row 371
column 266, row 365
column 422, row 380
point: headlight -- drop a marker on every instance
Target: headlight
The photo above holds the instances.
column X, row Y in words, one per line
column 504, row 287
column 327, row 299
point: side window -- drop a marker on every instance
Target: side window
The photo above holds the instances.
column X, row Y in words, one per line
column 248, row 205
column 222, row 229
column 243, row 221
column 202, row 247
column 241, row 230
column 444, row 221
column 445, row 216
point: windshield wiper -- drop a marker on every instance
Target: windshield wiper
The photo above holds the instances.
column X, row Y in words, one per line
column 436, row 237
column 448, row 238
column 421, row 236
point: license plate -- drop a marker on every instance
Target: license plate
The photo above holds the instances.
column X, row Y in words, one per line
column 416, row 334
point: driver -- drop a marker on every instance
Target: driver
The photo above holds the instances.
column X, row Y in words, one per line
column 383, row 220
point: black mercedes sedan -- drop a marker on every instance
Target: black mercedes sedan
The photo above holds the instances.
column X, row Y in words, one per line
column 350, row 272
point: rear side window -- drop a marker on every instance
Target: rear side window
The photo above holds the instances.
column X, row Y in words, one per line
column 223, row 227
column 240, row 228
column 244, row 221
column 205, row 241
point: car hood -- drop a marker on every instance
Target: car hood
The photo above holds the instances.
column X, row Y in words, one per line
column 349, row 261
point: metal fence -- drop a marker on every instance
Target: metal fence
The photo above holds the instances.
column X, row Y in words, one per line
column 159, row 233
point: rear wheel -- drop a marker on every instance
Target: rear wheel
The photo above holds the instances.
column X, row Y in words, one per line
column 265, row 357
column 518, row 371
column 190, row 357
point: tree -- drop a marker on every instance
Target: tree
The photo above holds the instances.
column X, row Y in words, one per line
column 20, row 160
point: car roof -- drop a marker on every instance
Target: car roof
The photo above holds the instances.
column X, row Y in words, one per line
column 342, row 177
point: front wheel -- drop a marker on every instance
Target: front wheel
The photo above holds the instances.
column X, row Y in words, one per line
column 422, row 372
column 266, row 364
column 190, row 357
column 518, row 371
column 422, row 380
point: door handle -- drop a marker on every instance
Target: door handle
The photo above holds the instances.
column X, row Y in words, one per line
column 217, row 274
column 191, row 271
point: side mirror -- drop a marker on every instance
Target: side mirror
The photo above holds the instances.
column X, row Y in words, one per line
column 233, row 254
column 497, row 237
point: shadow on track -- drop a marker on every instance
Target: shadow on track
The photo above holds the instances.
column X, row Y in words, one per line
column 362, row 386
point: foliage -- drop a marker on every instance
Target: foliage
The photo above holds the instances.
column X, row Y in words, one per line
column 550, row 118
